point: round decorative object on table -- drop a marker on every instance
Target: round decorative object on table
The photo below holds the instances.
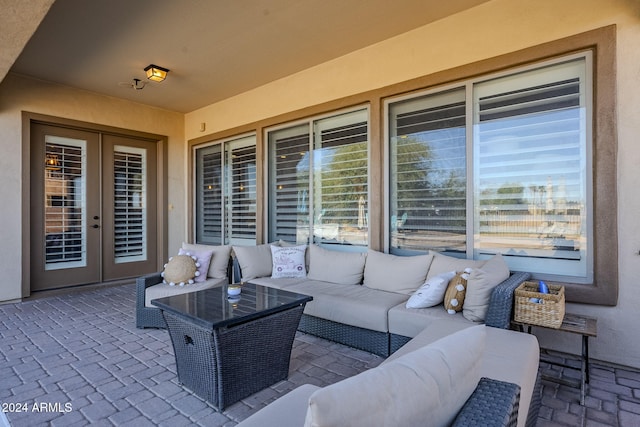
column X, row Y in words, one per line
column 234, row 290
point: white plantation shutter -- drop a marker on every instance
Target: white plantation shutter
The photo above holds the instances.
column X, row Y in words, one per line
column 209, row 195
column 324, row 191
column 531, row 173
column 289, row 185
column 241, row 191
column 130, row 204
column 428, row 172
column 226, row 192
column 340, row 179
column 65, row 205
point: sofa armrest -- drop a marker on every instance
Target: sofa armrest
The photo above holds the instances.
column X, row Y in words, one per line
column 143, row 282
column 501, row 301
column 493, row 404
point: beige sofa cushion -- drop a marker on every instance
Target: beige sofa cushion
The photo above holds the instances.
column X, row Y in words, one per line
column 509, row 356
column 283, row 283
column 428, row 386
column 345, row 268
column 162, row 290
column 255, row 261
column 409, row 322
column 219, row 260
column 391, row 273
column 443, row 263
column 480, row 285
column 352, row 305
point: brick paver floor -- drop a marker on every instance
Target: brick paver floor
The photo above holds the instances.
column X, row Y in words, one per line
column 76, row 358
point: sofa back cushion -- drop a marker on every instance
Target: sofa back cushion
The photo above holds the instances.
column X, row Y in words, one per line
column 219, row 260
column 443, row 264
column 343, row 268
column 391, row 273
column 480, row 285
column 428, row 386
column 254, row 261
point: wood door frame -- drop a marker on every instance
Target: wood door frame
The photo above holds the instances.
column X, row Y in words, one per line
column 162, row 179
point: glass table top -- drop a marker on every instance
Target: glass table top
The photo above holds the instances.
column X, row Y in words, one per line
column 214, row 308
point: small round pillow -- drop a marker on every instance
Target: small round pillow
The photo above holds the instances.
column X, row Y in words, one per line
column 456, row 291
column 180, row 270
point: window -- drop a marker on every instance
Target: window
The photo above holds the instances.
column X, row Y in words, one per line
column 498, row 165
column 318, row 181
column 226, row 192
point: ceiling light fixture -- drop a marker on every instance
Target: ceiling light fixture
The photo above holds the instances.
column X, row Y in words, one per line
column 156, row 73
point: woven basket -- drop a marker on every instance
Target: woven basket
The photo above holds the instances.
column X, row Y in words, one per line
column 548, row 313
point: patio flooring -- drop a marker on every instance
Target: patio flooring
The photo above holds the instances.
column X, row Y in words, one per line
column 76, row 358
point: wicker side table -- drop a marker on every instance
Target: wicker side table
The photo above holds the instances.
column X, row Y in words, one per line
column 227, row 351
column 575, row 324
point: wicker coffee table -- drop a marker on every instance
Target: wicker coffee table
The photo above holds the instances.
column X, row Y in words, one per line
column 228, row 348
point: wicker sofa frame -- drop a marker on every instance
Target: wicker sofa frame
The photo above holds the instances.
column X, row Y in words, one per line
column 151, row 317
column 383, row 343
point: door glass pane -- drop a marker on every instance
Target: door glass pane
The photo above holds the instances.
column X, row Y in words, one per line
column 129, row 185
column 65, row 203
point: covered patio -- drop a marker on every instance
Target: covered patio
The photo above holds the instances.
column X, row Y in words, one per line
column 76, row 358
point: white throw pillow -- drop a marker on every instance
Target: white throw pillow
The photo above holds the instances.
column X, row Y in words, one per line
column 288, row 261
column 343, row 268
column 432, row 292
column 480, row 285
column 391, row 273
column 427, row 386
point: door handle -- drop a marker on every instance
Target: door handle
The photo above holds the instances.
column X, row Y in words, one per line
column 96, row 217
column 95, row 226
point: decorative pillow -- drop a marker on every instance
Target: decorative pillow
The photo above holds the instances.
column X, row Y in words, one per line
column 432, row 292
column 343, row 268
column 288, row 261
column 180, row 270
column 456, row 290
column 202, row 258
column 427, row 386
column 391, row 273
column 219, row 260
column 443, row 263
column 480, row 285
column 255, row 261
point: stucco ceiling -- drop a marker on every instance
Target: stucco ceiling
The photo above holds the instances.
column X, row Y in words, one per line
column 215, row 49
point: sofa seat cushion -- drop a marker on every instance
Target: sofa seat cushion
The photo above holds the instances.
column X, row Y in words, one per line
column 353, row 305
column 409, row 322
column 428, row 386
column 509, row 356
column 282, row 283
column 162, row 290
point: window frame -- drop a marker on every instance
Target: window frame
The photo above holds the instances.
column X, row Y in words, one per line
column 310, row 122
column 222, row 143
column 601, row 41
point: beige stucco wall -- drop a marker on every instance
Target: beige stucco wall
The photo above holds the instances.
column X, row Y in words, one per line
column 491, row 29
column 18, row 94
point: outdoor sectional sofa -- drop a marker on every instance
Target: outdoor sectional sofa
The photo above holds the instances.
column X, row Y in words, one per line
column 360, row 300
